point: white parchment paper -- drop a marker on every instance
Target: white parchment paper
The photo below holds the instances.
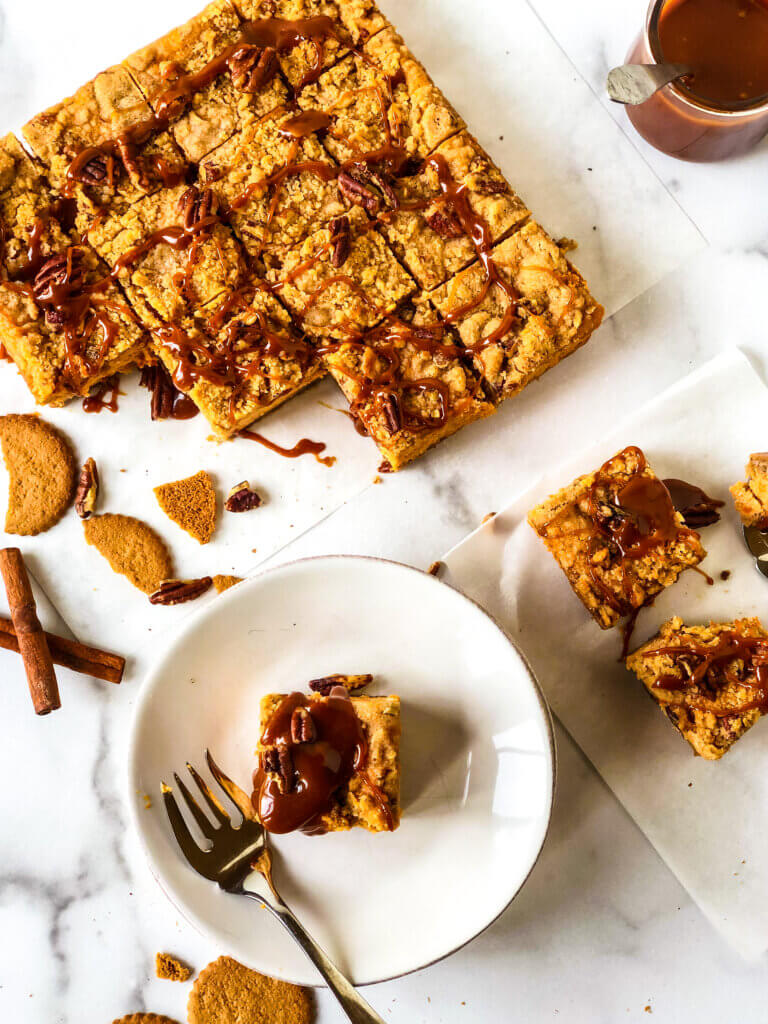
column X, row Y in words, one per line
column 707, row 820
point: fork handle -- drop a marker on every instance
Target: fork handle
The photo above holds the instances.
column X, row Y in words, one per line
column 350, row 1000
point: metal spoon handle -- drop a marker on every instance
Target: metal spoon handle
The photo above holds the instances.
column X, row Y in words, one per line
column 350, row 1000
column 635, row 83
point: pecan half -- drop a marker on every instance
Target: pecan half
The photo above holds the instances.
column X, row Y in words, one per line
column 341, row 233
column 57, row 281
column 367, row 188
column 251, row 67
column 325, row 684
column 302, row 726
column 278, row 761
column 180, row 591
column 390, row 408
column 98, row 169
column 445, row 223
column 489, row 186
column 157, row 381
column 87, row 490
column 242, row 498
column 199, row 208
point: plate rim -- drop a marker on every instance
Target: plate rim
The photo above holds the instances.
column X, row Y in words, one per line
column 187, row 625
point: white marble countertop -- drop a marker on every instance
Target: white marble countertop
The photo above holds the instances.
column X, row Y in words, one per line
column 602, row 932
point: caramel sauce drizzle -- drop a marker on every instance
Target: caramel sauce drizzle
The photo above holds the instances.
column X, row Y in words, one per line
column 97, row 400
column 302, row 447
column 706, row 668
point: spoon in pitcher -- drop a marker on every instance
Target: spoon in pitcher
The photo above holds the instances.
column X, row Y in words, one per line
column 635, row 83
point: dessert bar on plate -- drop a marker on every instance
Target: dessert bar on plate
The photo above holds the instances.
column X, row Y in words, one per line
column 710, row 681
column 328, row 762
column 617, row 537
column 265, row 194
column 751, row 496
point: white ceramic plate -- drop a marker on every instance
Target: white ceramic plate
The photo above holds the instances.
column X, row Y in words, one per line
column 477, row 763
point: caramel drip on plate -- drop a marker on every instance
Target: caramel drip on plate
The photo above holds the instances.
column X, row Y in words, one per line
column 302, row 447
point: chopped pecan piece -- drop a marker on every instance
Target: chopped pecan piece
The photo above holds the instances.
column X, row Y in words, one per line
column 390, row 408
column 302, row 726
column 87, row 490
column 325, row 684
column 180, row 591
column 445, row 223
column 100, row 168
column 342, row 240
column 489, row 187
column 252, row 67
column 242, row 498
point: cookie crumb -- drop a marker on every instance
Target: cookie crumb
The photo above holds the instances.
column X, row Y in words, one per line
column 488, row 518
column 191, row 504
column 169, row 968
column 43, row 474
column 435, row 569
column 222, row 583
column 226, row 992
column 147, row 801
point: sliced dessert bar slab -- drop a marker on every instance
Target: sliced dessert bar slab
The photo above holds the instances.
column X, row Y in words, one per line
column 409, row 385
column 381, row 103
column 617, row 537
column 307, row 740
column 524, row 313
column 710, row 681
column 171, row 252
column 64, row 323
column 340, row 281
column 278, row 183
column 310, row 35
column 207, row 79
column 238, row 359
column 102, row 146
column 458, row 200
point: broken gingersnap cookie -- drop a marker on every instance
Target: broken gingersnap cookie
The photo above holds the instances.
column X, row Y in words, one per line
column 132, row 549
column 42, row 470
column 226, row 992
column 169, row 968
column 222, row 583
column 144, row 1018
column 191, row 504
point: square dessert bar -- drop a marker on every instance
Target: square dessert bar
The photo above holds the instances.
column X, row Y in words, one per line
column 380, row 100
column 171, row 253
column 322, row 36
column 95, row 148
column 342, row 280
column 409, row 385
column 617, row 537
column 710, row 681
column 62, row 321
column 751, row 496
column 207, row 77
column 432, row 236
column 371, row 797
column 238, row 360
column 537, row 311
column 278, row 184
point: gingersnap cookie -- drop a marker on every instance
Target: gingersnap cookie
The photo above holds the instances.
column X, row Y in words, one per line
column 132, row 549
column 191, row 504
column 226, row 992
column 169, row 968
column 42, row 470
column 222, row 583
column 145, row 1018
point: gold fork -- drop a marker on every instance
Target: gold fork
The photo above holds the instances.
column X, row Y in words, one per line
column 235, row 852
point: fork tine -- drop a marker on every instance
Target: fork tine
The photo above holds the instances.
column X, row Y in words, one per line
column 184, row 838
column 204, row 823
column 213, row 803
column 233, row 791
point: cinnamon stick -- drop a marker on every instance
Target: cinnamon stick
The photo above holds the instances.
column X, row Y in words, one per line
column 33, row 645
column 88, row 661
